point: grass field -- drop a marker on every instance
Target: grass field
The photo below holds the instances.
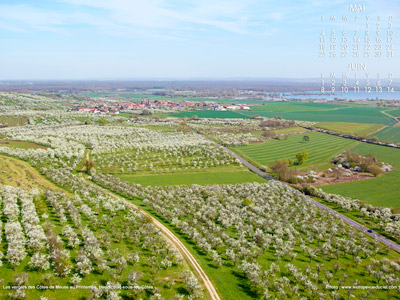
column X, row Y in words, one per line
column 294, row 106
column 212, row 114
column 389, row 134
column 200, row 178
column 361, row 129
column 20, row 145
column 380, row 191
column 346, row 114
column 18, row 173
column 321, row 149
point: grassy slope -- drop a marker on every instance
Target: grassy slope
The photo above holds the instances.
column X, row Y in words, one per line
column 18, row 173
column 201, row 178
column 353, row 128
column 321, row 148
column 381, row 191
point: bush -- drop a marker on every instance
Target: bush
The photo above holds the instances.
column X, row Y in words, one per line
column 375, row 170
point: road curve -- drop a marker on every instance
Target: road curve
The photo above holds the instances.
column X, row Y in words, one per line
column 191, row 260
column 347, row 220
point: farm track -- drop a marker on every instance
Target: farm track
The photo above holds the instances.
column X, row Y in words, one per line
column 347, row 220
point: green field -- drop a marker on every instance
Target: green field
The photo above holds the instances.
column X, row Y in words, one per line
column 321, row 148
column 361, row 129
column 20, row 144
column 380, row 191
column 212, row 114
column 200, row 178
column 352, row 114
column 394, row 113
column 389, row 134
column 294, row 106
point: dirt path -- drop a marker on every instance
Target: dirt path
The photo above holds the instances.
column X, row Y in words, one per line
column 190, row 259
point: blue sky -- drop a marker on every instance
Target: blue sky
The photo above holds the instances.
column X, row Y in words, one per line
column 131, row 39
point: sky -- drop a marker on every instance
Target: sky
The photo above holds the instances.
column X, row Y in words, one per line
column 180, row 39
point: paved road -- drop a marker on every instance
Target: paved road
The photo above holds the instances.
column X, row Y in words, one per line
column 190, row 259
column 349, row 221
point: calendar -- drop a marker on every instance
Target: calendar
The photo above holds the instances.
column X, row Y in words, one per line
column 361, row 45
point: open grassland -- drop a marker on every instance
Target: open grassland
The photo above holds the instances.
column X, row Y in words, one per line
column 321, row 149
column 202, row 178
column 212, row 114
column 361, row 129
column 389, row 134
column 380, row 191
column 345, row 114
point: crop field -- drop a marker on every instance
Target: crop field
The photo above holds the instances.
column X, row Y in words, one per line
column 236, row 175
column 389, row 134
column 380, row 191
column 394, row 113
column 293, row 106
column 212, row 114
column 344, row 114
column 361, row 129
column 321, row 149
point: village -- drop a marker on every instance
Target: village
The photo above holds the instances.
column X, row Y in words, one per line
column 113, row 107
